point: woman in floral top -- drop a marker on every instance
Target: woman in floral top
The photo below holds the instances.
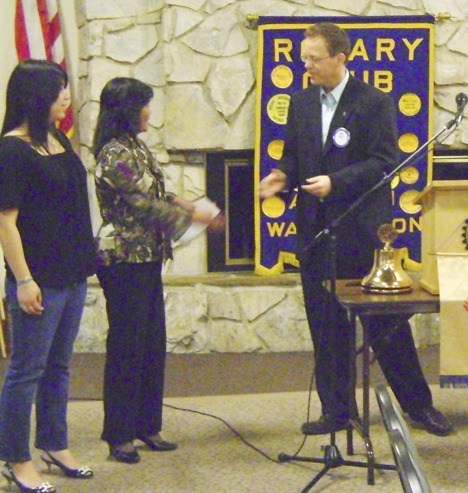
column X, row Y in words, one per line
column 139, row 222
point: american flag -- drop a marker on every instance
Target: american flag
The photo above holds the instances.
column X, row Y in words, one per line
column 38, row 35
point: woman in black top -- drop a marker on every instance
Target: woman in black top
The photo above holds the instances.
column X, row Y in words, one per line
column 46, row 236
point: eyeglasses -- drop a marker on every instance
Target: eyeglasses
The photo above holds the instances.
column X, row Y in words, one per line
column 313, row 59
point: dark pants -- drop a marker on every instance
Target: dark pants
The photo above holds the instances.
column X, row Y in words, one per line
column 136, row 351
column 390, row 337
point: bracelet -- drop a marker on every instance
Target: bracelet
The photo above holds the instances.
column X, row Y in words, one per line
column 25, row 280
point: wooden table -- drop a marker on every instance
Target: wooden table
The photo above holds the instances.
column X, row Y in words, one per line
column 357, row 303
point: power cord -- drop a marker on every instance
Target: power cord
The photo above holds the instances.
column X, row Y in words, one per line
column 234, row 431
column 239, row 436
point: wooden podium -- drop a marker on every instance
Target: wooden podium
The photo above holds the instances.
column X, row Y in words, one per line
column 444, row 215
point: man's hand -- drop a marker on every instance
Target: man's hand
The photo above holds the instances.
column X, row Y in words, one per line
column 318, row 186
column 272, row 184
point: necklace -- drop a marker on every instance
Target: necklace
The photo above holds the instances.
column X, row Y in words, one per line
column 53, row 145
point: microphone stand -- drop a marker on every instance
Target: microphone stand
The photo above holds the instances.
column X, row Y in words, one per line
column 332, row 457
column 386, row 178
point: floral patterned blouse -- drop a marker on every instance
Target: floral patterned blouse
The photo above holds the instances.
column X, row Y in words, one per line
column 139, row 220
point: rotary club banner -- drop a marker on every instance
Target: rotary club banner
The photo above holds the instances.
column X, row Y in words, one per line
column 395, row 54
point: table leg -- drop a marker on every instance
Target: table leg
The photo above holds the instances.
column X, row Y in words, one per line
column 352, row 380
column 362, row 428
column 3, row 328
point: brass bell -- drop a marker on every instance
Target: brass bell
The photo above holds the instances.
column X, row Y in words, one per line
column 387, row 275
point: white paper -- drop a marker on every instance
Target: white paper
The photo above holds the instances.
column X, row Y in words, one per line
column 206, row 206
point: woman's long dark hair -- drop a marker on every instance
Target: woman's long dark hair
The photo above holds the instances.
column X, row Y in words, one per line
column 121, row 102
column 33, row 87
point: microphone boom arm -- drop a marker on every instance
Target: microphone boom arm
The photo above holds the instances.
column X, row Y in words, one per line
column 386, row 178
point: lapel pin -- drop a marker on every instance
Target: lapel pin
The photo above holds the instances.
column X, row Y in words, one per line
column 341, row 137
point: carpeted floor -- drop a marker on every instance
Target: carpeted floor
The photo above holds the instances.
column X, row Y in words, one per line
column 212, row 459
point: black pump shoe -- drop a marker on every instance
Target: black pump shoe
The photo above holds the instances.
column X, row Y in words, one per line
column 83, row 472
column 121, row 456
column 158, row 445
column 9, row 475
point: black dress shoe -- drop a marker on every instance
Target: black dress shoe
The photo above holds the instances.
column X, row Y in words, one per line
column 158, row 444
column 9, row 475
column 83, row 472
column 122, row 456
column 323, row 426
column 432, row 421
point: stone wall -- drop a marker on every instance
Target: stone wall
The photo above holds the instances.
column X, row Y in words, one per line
column 200, row 58
column 230, row 313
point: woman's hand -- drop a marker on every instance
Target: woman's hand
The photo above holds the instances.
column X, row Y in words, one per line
column 184, row 204
column 28, row 292
column 206, row 217
column 207, row 212
column 30, row 298
column 218, row 223
column 202, row 216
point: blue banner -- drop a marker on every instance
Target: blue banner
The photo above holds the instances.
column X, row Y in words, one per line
column 394, row 54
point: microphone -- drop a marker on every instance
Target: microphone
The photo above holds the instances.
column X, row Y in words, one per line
column 461, row 100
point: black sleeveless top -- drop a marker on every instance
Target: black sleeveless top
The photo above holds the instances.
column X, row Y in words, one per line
column 50, row 193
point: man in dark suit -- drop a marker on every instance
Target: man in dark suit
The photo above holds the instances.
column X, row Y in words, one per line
column 341, row 138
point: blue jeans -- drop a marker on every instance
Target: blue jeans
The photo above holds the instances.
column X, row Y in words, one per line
column 42, row 346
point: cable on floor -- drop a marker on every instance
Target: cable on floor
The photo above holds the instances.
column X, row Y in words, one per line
column 234, row 431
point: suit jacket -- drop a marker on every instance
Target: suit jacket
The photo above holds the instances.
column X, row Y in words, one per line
column 369, row 116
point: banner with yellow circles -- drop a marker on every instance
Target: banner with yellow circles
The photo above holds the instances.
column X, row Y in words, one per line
column 395, row 54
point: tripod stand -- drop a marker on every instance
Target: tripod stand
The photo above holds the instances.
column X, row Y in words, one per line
column 332, row 457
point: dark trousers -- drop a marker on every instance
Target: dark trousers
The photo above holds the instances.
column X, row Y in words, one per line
column 390, row 338
column 136, row 351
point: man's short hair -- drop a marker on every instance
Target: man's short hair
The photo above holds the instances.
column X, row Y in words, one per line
column 336, row 39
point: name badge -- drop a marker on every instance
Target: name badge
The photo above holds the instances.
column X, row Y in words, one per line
column 341, row 137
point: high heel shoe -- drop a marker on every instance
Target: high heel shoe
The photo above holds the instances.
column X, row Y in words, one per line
column 83, row 472
column 122, row 456
column 158, row 444
column 9, row 475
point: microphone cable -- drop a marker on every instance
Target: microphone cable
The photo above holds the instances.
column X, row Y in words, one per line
column 231, row 428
